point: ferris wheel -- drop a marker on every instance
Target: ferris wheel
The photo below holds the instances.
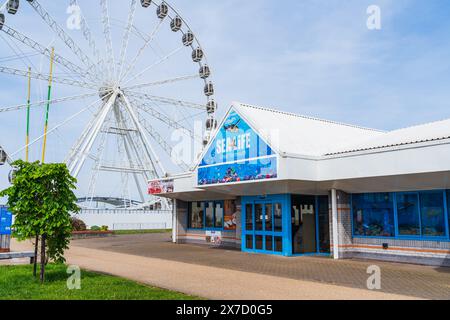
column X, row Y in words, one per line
column 128, row 84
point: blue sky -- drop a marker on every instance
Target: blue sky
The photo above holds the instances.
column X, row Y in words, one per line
column 312, row 57
column 318, row 57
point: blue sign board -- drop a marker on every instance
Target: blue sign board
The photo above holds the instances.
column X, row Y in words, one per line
column 237, row 154
column 5, row 221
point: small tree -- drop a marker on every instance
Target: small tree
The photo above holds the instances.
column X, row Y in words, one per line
column 41, row 198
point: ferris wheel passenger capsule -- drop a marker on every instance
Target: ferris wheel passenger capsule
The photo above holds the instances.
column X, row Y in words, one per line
column 2, row 20
column 188, row 38
column 176, row 24
column 204, row 72
column 162, row 11
column 3, row 156
column 197, row 55
column 146, row 3
column 12, row 175
column 12, row 6
column 209, row 89
column 211, row 106
column 211, row 124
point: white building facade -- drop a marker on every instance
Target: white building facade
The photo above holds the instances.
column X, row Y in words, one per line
column 272, row 182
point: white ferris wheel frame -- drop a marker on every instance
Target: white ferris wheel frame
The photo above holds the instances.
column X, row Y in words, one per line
column 120, row 100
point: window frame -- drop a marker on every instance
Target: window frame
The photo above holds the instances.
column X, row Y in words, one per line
column 394, row 203
column 189, row 215
column 397, row 236
column 205, row 228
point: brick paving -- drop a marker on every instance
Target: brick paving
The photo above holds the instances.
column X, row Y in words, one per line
column 410, row 280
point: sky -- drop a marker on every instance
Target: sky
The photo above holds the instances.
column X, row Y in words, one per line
column 311, row 57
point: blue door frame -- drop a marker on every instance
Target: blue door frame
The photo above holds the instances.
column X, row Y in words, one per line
column 285, row 201
column 286, row 234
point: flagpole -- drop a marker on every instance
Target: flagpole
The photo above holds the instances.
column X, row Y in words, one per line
column 44, row 147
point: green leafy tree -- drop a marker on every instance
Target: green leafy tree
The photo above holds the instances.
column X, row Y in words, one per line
column 41, row 199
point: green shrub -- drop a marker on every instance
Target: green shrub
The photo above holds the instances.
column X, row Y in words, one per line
column 95, row 228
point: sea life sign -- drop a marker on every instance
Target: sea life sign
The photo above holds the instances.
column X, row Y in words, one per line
column 237, row 154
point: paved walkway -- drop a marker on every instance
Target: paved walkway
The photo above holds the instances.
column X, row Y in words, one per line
column 223, row 274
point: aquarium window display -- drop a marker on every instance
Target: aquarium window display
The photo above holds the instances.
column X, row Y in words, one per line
column 416, row 215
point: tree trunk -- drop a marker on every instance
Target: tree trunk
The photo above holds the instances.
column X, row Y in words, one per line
column 43, row 237
column 36, row 246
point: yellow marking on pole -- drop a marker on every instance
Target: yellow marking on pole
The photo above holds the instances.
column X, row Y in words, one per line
column 50, row 78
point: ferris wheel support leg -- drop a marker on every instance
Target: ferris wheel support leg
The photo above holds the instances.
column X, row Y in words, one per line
column 146, row 143
column 127, row 143
column 75, row 170
column 74, row 155
column 77, row 146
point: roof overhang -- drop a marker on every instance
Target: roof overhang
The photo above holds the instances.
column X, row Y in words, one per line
column 414, row 167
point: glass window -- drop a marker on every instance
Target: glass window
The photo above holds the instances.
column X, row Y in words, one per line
column 258, row 242
column 268, row 217
column 196, row 212
column 277, row 217
column 408, row 214
column 269, row 243
column 432, row 214
column 249, row 217
column 373, row 215
column 249, row 241
column 258, row 217
column 278, row 244
column 218, row 223
column 209, row 208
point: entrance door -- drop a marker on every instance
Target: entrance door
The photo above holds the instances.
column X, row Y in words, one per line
column 263, row 226
column 310, row 225
column 304, row 224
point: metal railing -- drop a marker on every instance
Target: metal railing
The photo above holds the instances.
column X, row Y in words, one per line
column 140, row 226
column 124, row 211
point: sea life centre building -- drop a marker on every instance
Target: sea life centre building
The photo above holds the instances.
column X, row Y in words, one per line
column 271, row 182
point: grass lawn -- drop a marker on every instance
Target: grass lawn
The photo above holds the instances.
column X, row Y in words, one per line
column 18, row 283
column 124, row 232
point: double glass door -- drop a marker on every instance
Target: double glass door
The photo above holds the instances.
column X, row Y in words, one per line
column 264, row 227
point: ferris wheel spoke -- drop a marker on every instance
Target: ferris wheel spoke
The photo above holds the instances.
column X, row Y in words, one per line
column 164, row 100
column 126, row 37
column 161, row 82
column 59, row 31
column 164, row 118
column 160, row 140
column 87, row 34
column 111, row 64
column 148, row 41
column 45, row 102
column 45, row 77
column 44, row 51
column 68, row 120
column 163, row 59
